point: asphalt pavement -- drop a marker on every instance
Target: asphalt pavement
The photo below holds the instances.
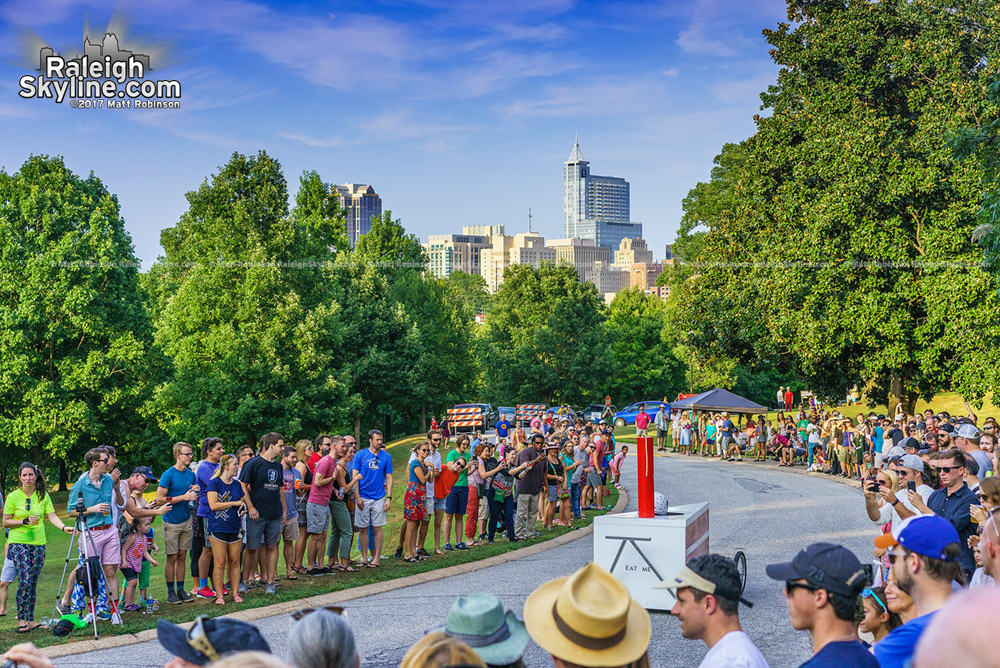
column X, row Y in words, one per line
column 768, row 513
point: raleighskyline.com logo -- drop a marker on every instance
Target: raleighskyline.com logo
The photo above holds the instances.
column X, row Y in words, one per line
column 103, row 76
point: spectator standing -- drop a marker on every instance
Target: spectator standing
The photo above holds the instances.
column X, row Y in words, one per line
column 878, row 620
column 24, row 514
column 781, row 398
column 261, row 478
column 663, row 427
column 953, row 501
column 305, row 450
column 502, row 496
column 457, row 500
column 414, row 500
column 318, row 508
column 822, row 584
column 580, row 463
column 925, row 562
column 433, row 512
column 178, row 487
column 212, row 450
column 291, row 480
column 323, row 441
column 225, row 502
column 476, row 483
column 707, row 607
column 789, row 398
column 642, row 421
column 338, row 550
column 372, row 469
column 588, row 619
column 503, row 426
column 726, row 433
column 531, row 481
column 967, row 439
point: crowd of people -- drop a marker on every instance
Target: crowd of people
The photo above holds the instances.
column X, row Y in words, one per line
column 228, row 513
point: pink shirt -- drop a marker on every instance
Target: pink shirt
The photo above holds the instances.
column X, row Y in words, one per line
column 324, row 469
column 616, row 462
column 642, row 420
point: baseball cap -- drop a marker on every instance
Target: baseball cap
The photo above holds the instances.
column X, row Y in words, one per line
column 689, row 577
column 947, row 428
column 895, row 451
column 147, row 472
column 912, row 462
column 927, row 535
column 823, row 565
column 911, row 443
column 968, row 431
column 217, row 636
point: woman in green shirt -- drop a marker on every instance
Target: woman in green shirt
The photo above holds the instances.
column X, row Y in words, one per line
column 22, row 515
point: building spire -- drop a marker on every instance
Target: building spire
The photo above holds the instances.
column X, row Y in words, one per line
column 577, row 154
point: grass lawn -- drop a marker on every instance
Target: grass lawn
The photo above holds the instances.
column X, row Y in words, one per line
column 305, row 586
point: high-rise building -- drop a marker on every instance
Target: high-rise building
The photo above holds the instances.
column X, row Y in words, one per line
column 580, row 253
column 644, row 275
column 529, row 248
column 494, row 260
column 630, row 252
column 607, row 278
column 359, row 203
column 455, row 252
column 670, row 252
column 595, row 207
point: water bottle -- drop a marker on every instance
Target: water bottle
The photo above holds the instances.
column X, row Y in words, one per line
column 149, row 606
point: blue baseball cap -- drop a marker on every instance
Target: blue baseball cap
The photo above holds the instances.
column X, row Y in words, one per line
column 147, row 472
column 927, row 535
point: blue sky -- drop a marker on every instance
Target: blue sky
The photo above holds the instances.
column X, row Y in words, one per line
column 456, row 112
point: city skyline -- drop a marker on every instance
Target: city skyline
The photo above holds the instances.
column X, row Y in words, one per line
column 456, row 113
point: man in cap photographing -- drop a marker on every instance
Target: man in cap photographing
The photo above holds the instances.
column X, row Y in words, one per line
column 925, row 561
column 822, row 584
column 708, row 597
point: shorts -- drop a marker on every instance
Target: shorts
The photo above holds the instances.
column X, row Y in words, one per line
column 129, row 574
column 457, row 501
column 429, row 505
column 373, row 514
column 263, row 531
column 9, row 571
column 290, row 529
column 594, row 479
column 317, row 517
column 553, row 493
column 144, row 575
column 176, row 537
column 847, row 455
column 107, row 546
column 661, row 433
column 439, row 504
column 641, row 432
column 710, row 441
column 726, row 441
column 227, row 536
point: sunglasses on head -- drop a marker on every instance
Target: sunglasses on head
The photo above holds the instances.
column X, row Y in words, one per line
column 868, row 593
column 302, row 612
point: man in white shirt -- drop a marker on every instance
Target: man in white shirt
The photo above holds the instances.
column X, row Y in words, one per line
column 708, row 597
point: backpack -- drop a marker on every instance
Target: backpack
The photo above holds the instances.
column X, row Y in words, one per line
column 90, row 584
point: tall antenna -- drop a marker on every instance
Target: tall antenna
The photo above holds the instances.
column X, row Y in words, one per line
column 529, row 219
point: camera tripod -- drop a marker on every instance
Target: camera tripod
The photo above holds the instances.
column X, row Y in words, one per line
column 90, row 587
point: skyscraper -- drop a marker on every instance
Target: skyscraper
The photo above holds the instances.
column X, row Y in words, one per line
column 595, row 207
column 359, row 203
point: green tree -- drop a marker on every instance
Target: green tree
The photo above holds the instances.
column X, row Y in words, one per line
column 253, row 339
column 847, row 258
column 75, row 338
column 472, row 290
column 645, row 365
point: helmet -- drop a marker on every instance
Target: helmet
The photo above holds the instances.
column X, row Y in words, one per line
column 659, row 504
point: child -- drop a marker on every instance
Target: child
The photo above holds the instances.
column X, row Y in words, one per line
column 877, row 620
column 616, row 465
column 819, row 461
column 134, row 552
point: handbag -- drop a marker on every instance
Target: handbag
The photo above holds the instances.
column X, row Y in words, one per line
column 444, row 482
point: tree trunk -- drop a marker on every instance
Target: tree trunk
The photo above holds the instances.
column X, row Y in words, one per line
column 63, row 476
column 423, row 417
column 900, row 394
column 357, row 428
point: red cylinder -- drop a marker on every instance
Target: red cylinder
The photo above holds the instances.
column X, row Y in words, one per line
column 645, row 470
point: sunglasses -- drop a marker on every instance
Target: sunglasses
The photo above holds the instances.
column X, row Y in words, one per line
column 948, row 469
column 27, row 505
column 299, row 614
column 197, row 639
column 892, row 556
column 435, row 440
column 868, row 593
column 792, row 586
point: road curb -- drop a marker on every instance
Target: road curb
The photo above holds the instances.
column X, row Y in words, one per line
column 333, row 598
column 850, row 482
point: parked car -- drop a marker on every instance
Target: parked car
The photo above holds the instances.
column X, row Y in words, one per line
column 509, row 411
column 564, row 412
column 626, row 416
column 594, row 412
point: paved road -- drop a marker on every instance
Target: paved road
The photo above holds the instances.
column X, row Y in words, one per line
column 768, row 513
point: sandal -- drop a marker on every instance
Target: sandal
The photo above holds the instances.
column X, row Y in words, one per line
column 348, row 569
column 293, row 576
column 220, row 601
column 237, row 598
column 411, row 560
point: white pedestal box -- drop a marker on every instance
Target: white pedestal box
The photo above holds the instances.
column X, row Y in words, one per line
column 644, row 552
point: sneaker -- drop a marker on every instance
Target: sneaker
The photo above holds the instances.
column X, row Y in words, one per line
column 116, row 619
column 461, row 546
column 205, row 592
column 269, row 589
column 243, row 589
column 482, row 537
column 536, row 534
column 132, row 608
column 185, row 597
column 399, row 553
column 104, row 616
column 172, row 597
column 423, row 553
column 447, row 547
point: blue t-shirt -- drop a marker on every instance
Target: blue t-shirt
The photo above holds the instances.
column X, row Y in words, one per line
column 203, row 475
column 177, row 483
column 840, row 654
column 373, row 469
column 414, row 465
column 93, row 496
column 728, row 427
column 503, row 428
column 288, row 478
column 897, row 648
column 228, row 519
column 878, row 437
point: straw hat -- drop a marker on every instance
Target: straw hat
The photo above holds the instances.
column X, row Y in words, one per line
column 588, row 619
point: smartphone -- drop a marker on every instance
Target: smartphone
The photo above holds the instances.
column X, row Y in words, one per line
column 869, row 572
column 912, row 486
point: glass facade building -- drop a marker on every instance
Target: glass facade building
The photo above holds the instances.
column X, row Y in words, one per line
column 595, row 207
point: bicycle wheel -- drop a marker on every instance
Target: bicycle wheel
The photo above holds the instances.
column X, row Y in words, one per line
column 741, row 566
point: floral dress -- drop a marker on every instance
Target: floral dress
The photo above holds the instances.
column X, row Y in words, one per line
column 416, row 494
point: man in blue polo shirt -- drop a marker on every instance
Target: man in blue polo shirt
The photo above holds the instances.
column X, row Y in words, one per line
column 924, row 552
column 373, row 466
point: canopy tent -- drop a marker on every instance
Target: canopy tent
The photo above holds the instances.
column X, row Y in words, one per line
column 718, row 400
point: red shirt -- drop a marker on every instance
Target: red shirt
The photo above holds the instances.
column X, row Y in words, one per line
column 789, row 397
column 313, row 458
column 642, row 420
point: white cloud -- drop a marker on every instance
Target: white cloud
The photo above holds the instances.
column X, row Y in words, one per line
column 670, row 72
column 594, row 99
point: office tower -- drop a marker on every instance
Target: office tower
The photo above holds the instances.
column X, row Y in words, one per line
column 455, row 252
column 631, row 251
column 359, row 203
column 595, row 207
column 580, row 253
